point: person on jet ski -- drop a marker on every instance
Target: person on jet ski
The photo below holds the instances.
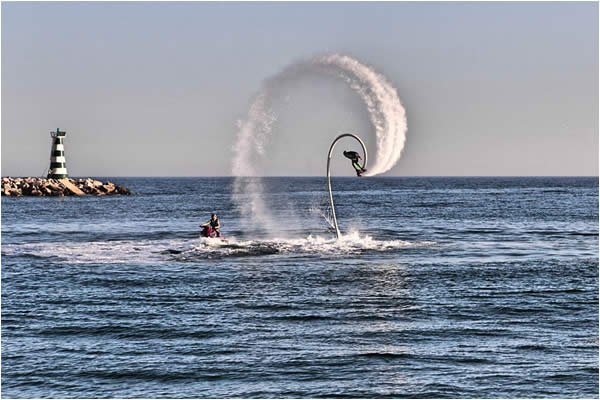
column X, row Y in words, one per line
column 211, row 227
column 354, row 156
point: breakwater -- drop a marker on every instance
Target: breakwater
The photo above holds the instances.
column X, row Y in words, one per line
column 59, row 187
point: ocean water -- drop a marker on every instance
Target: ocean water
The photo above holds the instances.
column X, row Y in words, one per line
column 440, row 287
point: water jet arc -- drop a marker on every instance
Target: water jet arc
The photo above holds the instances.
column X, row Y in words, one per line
column 364, row 148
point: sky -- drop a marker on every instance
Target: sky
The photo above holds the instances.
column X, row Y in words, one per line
column 156, row 89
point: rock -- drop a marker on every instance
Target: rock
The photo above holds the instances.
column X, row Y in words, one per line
column 70, row 187
column 108, row 187
column 32, row 186
column 123, row 190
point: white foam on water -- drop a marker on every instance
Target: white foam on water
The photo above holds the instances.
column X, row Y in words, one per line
column 102, row 252
column 347, row 244
column 152, row 252
column 351, row 243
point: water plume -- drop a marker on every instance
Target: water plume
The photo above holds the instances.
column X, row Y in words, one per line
column 386, row 114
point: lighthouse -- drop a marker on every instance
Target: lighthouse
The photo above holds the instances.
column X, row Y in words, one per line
column 58, row 164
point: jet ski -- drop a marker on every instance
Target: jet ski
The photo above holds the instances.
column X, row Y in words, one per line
column 210, row 233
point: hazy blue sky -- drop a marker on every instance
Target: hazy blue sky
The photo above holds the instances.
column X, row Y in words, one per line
column 156, row 88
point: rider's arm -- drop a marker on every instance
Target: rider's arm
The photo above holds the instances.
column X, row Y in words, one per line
column 218, row 225
column 204, row 224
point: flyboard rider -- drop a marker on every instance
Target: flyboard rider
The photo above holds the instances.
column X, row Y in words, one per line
column 354, row 156
column 211, row 227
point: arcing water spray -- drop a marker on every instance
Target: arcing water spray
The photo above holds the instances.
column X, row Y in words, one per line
column 386, row 114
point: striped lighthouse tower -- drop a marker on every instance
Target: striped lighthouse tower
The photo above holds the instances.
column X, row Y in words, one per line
column 58, row 164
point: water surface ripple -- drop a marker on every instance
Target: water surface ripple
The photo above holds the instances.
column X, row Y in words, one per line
column 441, row 287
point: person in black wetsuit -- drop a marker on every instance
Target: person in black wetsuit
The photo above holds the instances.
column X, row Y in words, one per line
column 354, row 156
column 214, row 225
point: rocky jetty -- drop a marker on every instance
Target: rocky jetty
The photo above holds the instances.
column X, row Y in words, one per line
column 59, row 187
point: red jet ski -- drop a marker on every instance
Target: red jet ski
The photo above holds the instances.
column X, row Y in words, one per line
column 209, row 232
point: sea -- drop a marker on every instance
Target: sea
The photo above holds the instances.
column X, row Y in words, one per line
column 439, row 287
